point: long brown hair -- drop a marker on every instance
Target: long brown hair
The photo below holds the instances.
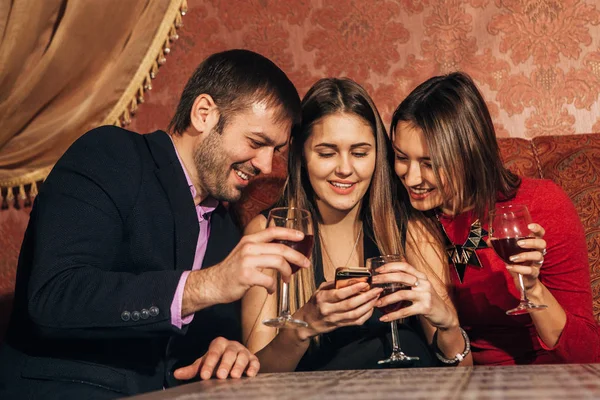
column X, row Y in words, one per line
column 327, row 97
column 458, row 129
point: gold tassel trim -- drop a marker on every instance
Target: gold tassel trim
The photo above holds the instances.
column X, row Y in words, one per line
column 127, row 105
column 18, row 196
column 21, row 191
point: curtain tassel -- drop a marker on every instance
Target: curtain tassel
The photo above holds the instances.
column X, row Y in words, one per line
column 10, row 198
column 140, row 97
column 133, row 106
column 173, row 35
column 178, row 21
column 184, row 7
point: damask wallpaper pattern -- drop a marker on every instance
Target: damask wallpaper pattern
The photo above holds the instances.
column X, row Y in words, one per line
column 536, row 61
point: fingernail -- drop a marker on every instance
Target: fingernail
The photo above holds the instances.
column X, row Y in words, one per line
column 531, row 226
column 222, row 373
column 384, row 319
column 515, row 258
column 299, row 234
column 378, row 304
column 521, row 243
column 508, row 267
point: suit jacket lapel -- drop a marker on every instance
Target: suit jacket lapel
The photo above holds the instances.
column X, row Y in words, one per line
column 171, row 176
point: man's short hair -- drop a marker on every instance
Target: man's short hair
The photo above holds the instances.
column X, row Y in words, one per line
column 235, row 79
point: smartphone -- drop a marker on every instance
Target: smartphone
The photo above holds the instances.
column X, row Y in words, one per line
column 349, row 276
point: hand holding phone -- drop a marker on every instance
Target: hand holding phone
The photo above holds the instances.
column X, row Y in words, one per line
column 349, row 276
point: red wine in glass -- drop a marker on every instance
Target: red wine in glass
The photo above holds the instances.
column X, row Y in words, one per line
column 508, row 247
column 303, row 246
column 508, row 225
column 392, row 288
column 300, row 220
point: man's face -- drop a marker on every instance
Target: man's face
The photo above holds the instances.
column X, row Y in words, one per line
column 227, row 161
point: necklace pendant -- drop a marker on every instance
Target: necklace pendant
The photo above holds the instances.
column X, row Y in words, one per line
column 463, row 255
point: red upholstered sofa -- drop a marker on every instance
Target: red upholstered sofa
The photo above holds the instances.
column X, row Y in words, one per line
column 572, row 161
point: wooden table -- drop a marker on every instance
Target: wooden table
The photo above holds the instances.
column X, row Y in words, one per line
column 565, row 382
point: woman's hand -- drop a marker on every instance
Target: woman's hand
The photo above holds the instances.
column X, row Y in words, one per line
column 424, row 298
column 330, row 308
column 533, row 260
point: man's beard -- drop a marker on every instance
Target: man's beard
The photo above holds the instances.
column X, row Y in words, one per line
column 213, row 169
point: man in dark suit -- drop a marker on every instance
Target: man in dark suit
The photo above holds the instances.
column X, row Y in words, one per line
column 131, row 266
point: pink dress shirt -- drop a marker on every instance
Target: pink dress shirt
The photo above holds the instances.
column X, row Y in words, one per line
column 204, row 211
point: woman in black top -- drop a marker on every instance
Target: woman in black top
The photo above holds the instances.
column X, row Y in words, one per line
column 338, row 170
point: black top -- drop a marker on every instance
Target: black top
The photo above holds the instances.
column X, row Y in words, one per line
column 360, row 347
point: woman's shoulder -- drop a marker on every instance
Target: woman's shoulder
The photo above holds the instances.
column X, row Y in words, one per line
column 256, row 224
column 536, row 190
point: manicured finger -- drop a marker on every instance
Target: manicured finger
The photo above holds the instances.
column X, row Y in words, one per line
column 337, row 295
column 537, row 244
column 189, row 372
column 397, row 297
column 227, row 361
column 358, row 300
column 352, row 316
column 537, row 230
column 527, row 257
column 401, row 267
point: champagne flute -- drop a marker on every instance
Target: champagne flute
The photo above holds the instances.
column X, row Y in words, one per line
column 509, row 224
column 397, row 355
column 301, row 220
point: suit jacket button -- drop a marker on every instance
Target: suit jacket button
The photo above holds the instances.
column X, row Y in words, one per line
column 145, row 313
column 153, row 311
column 135, row 315
column 125, row 316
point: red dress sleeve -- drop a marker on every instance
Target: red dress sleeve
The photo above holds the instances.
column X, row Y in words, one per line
column 566, row 273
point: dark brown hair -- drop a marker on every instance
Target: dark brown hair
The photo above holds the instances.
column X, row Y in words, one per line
column 459, row 133
column 235, row 79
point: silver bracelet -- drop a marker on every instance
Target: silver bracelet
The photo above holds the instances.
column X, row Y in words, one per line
column 457, row 358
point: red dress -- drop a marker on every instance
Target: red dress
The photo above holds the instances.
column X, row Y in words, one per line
column 487, row 292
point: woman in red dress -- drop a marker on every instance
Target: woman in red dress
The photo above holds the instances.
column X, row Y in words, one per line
column 448, row 161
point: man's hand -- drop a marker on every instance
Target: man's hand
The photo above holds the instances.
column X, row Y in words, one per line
column 234, row 359
column 246, row 266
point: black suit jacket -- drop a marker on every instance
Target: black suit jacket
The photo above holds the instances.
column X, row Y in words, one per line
column 111, row 231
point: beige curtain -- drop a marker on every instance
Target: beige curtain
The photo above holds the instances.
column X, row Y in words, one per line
column 68, row 66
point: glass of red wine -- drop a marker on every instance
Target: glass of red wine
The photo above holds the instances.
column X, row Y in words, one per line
column 373, row 264
column 301, row 220
column 509, row 224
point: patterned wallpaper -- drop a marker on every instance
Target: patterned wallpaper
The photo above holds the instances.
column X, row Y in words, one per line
column 536, row 61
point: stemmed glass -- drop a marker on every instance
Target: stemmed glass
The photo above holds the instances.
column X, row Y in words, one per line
column 509, row 224
column 301, row 220
column 373, row 264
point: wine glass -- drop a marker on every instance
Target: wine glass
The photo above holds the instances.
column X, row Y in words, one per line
column 301, row 220
column 397, row 355
column 509, row 224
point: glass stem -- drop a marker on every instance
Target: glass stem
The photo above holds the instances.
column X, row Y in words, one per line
column 395, row 341
column 285, row 307
column 524, row 298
